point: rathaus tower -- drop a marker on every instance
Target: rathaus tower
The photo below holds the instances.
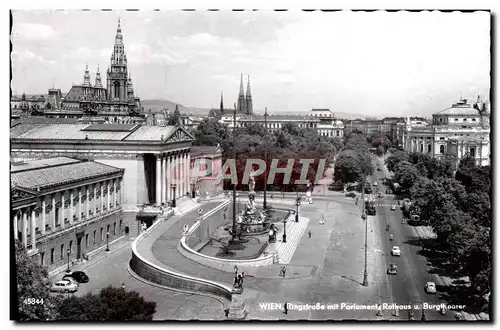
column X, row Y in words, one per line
column 117, row 77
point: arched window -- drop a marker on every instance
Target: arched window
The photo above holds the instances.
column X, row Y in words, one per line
column 441, row 149
column 429, row 148
column 473, row 152
column 421, row 147
column 117, row 89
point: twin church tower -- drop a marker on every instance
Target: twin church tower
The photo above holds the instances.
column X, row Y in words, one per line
column 245, row 105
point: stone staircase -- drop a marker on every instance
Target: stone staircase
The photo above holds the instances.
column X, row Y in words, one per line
column 185, row 205
column 294, row 232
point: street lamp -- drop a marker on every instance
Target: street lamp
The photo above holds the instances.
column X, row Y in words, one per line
column 265, row 159
column 297, row 204
column 363, row 216
column 107, row 241
column 284, row 231
column 173, row 186
column 68, row 252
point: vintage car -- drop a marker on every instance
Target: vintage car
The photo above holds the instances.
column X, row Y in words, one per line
column 78, row 276
column 396, row 251
column 430, row 287
column 65, row 285
column 392, row 270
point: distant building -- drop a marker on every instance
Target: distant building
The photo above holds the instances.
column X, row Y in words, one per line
column 245, row 103
column 463, row 129
column 63, row 208
column 325, row 125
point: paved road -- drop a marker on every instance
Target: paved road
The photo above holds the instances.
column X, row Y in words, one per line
column 408, row 284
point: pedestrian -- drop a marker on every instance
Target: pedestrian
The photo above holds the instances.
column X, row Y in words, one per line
column 286, row 308
column 309, row 233
column 226, row 311
column 123, row 286
column 284, row 271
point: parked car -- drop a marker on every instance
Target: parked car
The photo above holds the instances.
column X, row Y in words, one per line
column 375, row 183
column 350, row 194
column 396, row 251
column 78, row 276
column 64, row 286
column 393, row 269
column 430, row 287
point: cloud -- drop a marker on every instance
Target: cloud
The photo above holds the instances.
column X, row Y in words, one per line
column 26, row 56
column 29, row 31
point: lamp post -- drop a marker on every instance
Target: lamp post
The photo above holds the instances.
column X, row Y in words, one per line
column 265, row 159
column 297, row 204
column 234, row 185
column 284, row 231
column 107, row 241
column 363, row 216
column 68, row 252
column 173, row 186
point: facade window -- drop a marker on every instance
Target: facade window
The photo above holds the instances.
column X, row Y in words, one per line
column 86, row 240
column 62, row 251
column 114, row 228
column 441, row 138
column 421, row 147
column 108, row 228
column 456, row 119
column 440, row 120
column 121, row 224
column 338, row 133
column 70, row 247
column 42, row 257
column 102, row 234
column 51, row 256
column 473, row 152
column 429, row 148
column 441, row 149
column 465, row 119
column 473, row 119
column 95, row 232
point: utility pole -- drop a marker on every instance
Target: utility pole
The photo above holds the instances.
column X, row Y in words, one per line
column 265, row 159
column 364, row 217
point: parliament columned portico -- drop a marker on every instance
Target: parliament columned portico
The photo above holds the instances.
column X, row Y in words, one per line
column 172, row 168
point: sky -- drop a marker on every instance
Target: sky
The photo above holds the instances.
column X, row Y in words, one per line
column 376, row 63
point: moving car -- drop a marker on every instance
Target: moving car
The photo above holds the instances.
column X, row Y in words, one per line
column 350, row 194
column 78, row 276
column 430, row 287
column 393, row 207
column 379, row 195
column 375, row 183
column 396, row 251
column 393, row 269
column 64, row 286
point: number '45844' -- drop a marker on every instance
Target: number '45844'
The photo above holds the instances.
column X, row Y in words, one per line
column 33, row 301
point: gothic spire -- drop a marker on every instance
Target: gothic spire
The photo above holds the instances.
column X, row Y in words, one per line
column 241, row 98
column 248, row 99
column 221, row 103
column 98, row 83
column 86, row 77
column 118, row 56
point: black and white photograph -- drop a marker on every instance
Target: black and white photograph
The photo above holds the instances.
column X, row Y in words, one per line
column 250, row 165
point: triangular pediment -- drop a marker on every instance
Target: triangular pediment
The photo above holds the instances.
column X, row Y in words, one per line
column 18, row 193
column 179, row 135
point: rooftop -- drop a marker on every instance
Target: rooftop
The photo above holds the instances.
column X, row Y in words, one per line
column 460, row 108
column 42, row 163
column 61, row 171
column 197, row 151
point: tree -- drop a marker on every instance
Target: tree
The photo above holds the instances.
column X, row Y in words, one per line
column 381, row 142
column 406, row 175
column 32, row 282
column 175, row 118
column 395, row 158
column 347, row 167
column 211, row 132
column 111, row 304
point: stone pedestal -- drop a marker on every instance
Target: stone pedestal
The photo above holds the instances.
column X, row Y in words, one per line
column 237, row 308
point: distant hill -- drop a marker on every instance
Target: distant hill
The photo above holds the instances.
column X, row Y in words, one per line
column 157, row 105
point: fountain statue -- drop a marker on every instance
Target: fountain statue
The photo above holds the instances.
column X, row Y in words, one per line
column 252, row 215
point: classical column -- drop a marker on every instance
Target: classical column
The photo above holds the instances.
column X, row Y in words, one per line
column 79, row 209
column 188, row 173
column 108, row 198
column 163, row 179
column 114, row 192
column 16, row 231
column 33, row 229
column 25, row 228
column 102, row 197
column 181, row 174
column 70, row 217
column 176, row 170
column 43, row 216
column 168, row 177
column 87, row 202
column 94, row 201
column 53, row 225
column 61, row 213
column 120, row 191
column 158, row 179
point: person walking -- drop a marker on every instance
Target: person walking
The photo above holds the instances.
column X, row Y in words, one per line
column 309, row 233
column 286, row 308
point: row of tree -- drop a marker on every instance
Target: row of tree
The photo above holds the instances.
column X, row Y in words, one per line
column 457, row 206
column 35, row 302
column 353, row 163
column 290, row 142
